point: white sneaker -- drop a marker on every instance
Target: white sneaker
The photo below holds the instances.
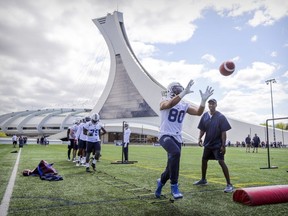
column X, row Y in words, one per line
column 201, row 182
column 229, row 188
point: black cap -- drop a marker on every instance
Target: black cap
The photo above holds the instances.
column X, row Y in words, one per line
column 212, row 101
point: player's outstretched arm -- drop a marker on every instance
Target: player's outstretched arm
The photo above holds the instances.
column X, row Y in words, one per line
column 204, row 96
column 167, row 104
column 187, row 90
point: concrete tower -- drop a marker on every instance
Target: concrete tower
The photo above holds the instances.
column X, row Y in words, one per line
column 132, row 95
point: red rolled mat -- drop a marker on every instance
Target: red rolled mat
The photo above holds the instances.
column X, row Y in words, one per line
column 254, row 196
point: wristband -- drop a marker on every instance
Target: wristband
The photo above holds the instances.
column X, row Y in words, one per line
column 203, row 103
column 182, row 94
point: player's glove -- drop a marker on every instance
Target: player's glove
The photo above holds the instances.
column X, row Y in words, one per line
column 187, row 90
column 206, row 95
column 125, row 145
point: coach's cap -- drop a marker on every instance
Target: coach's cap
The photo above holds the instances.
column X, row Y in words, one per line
column 212, row 101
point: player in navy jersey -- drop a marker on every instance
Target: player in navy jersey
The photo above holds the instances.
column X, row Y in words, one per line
column 94, row 130
column 173, row 110
column 214, row 125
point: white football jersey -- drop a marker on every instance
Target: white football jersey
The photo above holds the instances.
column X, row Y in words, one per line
column 172, row 120
column 80, row 134
column 73, row 130
column 93, row 131
column 127, row 133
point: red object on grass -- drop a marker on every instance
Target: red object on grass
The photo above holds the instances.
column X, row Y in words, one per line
column 261, row 195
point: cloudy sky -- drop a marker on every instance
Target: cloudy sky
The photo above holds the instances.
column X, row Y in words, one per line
column 52, row 55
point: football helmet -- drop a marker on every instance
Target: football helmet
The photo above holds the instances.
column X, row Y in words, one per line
column 78, row 120
column 87, row 118
column 126, row 125
column 174, row 89
column 95, row 117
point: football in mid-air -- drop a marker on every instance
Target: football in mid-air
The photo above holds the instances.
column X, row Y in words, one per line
column 227, row 68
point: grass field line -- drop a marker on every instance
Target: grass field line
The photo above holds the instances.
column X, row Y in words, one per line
column 8, row 193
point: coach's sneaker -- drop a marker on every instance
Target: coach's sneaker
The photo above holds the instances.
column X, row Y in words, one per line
column 159, row 188
column 201, row 182
column 175, row 191
column 229, row 188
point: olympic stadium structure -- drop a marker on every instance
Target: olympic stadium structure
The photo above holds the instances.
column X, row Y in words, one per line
column 36, row 123
column 131, row 95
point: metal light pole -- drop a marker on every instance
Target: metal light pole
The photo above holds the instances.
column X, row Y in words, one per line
column 270, row 81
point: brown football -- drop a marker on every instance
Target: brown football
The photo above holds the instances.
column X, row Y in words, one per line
column 227, row 68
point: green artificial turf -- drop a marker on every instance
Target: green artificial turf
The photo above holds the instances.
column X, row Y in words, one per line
column 128, row 189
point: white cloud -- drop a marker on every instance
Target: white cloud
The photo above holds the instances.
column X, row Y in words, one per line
column 238, row 28
column 285, row 74
column 208, row 57
column 261, row 17
column 254, row 38
column 273, row 54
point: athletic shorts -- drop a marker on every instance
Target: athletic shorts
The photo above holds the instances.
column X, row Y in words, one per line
column 81, row 144
column 212, row 154
column 93, row 146
column 70, row 144
column 75, row 147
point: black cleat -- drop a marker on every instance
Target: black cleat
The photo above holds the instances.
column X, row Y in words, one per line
column 94, row 166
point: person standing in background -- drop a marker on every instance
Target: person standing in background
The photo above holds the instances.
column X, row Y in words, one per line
column 248, row 143
column 256, row 143
column 14, row 140
column 126, row 141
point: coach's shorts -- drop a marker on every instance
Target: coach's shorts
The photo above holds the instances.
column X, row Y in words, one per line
column 212, row 154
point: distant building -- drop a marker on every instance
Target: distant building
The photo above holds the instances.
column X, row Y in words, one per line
column 36, row 123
